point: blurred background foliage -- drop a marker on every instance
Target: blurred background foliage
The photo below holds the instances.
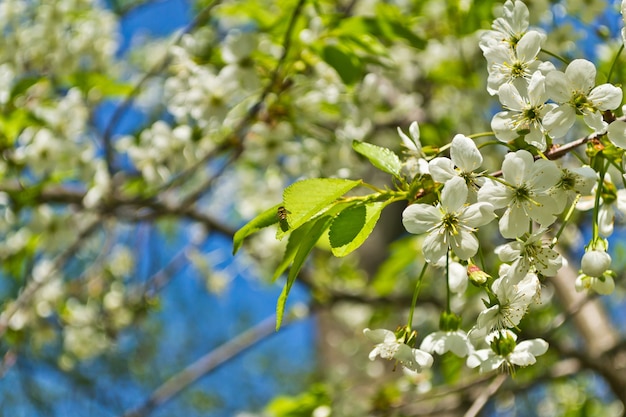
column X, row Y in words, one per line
column 136, row 136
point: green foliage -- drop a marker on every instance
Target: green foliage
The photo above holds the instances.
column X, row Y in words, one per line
column 302, row 405
column 344, row 61
column 401, row 256
column 263, row 220
column 382, row 158
column 353, row 225
column 94, row 83
column 309, row 198
column 305, row 246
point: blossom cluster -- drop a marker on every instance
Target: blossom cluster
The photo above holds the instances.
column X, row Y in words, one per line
column 529, row 196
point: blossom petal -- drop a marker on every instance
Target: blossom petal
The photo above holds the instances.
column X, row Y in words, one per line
column 558, row 87
column 379, row 335
column 454, row 194
column 434, row 247
column 441, row 169
column 464, row 244
column 442, row 342
column 536, row 138
column 516, row 167
column 621, row 201
column 457, row 277
column 477, row 357
column 606, row 215
column 503, row 127
column 514, row 222
column 478, row 214
column 606, row 97
column 617, row 133
column 543, row 175
column 496, row 194
column 536, row 347
column 529, row 45
column 413, row 359
column 559, row 120
column 594, row 120
column 419, row 218
column 581, row 75
column 511, row 98
column 537, row 89
column 509, row 251
column 465, row 154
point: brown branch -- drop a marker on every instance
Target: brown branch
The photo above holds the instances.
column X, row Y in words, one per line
column 133, row 209
column 482, row 399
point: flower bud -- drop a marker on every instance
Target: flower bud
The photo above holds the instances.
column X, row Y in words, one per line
column 595, row 263
column 477, row 276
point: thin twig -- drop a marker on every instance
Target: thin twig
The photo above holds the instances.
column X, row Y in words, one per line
column 207, row 363
column 482, row 399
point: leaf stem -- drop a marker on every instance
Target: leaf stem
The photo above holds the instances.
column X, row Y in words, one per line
column 566, row 220
column 552, row 54
column 608, row 77
column 416, row 292
column 448, row 310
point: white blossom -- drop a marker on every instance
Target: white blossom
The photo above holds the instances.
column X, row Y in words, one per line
column 603, row 285
column 513, row 299
column 515, row 66
column 595, row 263
column 416, row 162
column 441, row 342
column 573, row 181
column 505, row 351
column 576, row 93
column 451, row 224
column 616, row 133
column 530, row 252
column 465, row 159
column 457, row 277
column 524, row 113
column 509, row 28
column 389, row 347
column 525, row 193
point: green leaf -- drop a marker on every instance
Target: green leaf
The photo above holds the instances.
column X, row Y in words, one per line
column 295, row 239
column 303, row 200
column 265, row 219
column 12, row 124
column 382, row 158
column 88, row 82
column 344, row 61
column 306, row 244
column 353, row 226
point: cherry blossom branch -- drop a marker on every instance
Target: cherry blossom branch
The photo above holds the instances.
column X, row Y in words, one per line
column 156, row 69
column 35, row 284
column 235, row 139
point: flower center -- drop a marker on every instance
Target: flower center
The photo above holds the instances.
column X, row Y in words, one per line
column 450, row 223
column 580, row 102
column 522, row 193
column 503, row 345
